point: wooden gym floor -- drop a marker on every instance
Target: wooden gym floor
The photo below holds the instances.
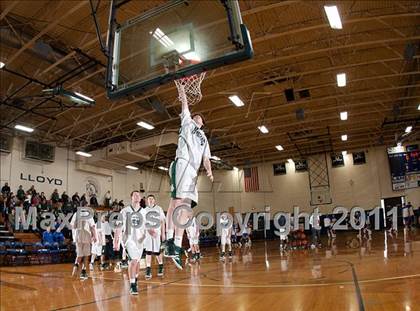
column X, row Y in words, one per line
column 382, row 276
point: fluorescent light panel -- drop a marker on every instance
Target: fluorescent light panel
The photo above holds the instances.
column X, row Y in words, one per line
column 83, row 154
column 333, row 16
column 215, row 158
column 84, row 97
column 2, row 65
column 145, row 125
column 24, row 128
column 341, row 79
column 162, row 38
column 279, row 147
column 343, row 137
column 418, row 108
column 236, row 100
column 163, row 168
column 408, row 129
column 343, row 115
column 131, row 167
column 263, row 129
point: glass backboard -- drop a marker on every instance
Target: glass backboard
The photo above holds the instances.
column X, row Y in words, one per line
column 177, row 39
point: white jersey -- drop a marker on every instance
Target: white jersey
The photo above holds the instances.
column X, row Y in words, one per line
column 161, row 216
column 134, row 234
column 192, row 142
column 225, row 231
column 405, row 211
column 107, row 228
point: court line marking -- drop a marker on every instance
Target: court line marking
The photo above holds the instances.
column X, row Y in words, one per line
column 122, row 295
column 273, row 285
column 356, row 285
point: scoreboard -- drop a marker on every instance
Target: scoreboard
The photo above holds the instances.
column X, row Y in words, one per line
column 404, row 163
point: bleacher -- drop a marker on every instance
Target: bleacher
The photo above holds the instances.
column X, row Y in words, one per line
column 26, row 249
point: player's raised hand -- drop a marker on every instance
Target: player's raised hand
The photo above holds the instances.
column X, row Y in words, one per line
column 210, row 176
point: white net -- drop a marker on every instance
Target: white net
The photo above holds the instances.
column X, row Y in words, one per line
column 191, row 87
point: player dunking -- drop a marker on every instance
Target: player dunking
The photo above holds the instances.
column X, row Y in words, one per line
column 193, row 148
column 132, row 238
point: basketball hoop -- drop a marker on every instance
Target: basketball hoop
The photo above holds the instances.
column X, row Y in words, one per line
column 191, row 86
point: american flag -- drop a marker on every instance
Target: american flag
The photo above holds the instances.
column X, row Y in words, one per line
column 251, row 179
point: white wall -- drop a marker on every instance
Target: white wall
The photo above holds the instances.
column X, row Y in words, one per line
column 351, row 185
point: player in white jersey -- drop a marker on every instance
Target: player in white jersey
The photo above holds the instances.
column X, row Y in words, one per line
column 193, row 148
column 84, row 234
column 225, row 237
column 154, row 236
column 98, row 248
column 193, row 234
column 133, row 235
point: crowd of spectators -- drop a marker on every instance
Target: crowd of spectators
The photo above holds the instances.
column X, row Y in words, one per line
column 11, row 202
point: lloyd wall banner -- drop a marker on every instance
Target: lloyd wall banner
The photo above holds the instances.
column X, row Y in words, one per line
column 41, row 179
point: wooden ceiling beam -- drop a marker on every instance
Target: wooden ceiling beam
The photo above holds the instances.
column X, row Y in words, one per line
column 10, row 7
column 290, row 104
column 50, row 26
column 253, row 64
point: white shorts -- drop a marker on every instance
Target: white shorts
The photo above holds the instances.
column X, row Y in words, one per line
column 183, row 180
column 152, row 244
column 134, row 250
column 97, row 249
column 83, row 249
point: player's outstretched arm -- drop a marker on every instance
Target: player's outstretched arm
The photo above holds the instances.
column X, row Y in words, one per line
column 184, row 101
column 163, row 230
column 207, row 166
column 93, row 233
column 117, row 236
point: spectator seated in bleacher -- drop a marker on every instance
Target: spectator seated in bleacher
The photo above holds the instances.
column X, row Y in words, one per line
column 48, row 237
column 58, row 237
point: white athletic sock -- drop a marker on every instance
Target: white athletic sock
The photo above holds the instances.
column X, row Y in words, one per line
column 178, row 241
column 170, row 234
column 132, row 281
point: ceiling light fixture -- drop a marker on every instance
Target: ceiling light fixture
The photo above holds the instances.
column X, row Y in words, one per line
column 24, row 128
column 341, row 79
column 263, row 129
column 131, row 167
column 145, row 125
column 236, row 100
column 83, row 154
column 333, row 16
